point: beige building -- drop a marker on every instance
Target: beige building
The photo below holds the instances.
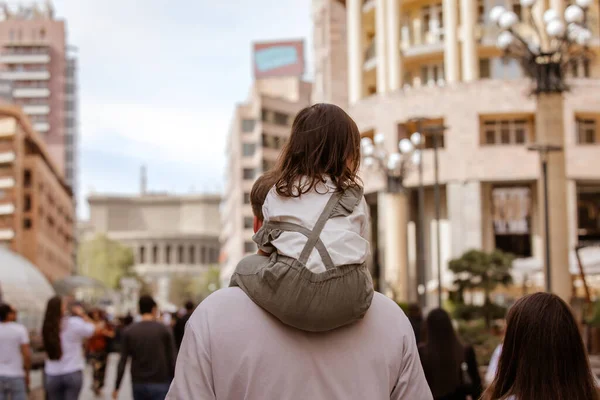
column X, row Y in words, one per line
column 259, row 129
column 171, row 235
column 436, row 59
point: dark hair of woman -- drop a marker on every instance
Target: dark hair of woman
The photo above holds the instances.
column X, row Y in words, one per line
column 442, row 354
column 51, row 328
column 543, row 356
column 324, row 141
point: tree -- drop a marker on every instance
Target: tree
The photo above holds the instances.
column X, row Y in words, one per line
column 195, row 288
column 105, row 259
column 477, row 269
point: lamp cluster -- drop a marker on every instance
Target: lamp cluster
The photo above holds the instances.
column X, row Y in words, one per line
column 394, row 164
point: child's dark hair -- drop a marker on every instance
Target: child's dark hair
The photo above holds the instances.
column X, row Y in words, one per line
column 324, row 141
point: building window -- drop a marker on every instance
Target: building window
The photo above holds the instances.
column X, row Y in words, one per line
column 481, row 11
column 27, row 223
column 588, row 213
column 249, row 247
column 506, row 131
column 246, row 198
column 248, row 149
column 142, row 254
column 249, row 173
column 430, row 130
column 248, row 222
column 203, row 259
column 587, row 130
column 512, row 220
column 214, row 256
column 155, row 254
column 267, row 165
column 432, row 74
column 27, row 178
column 248, row 125
column 168, row 254
column 484, row 68
column 281, row 118
column 27, row 203
column 265, row 115
column 192, row 255
column 180, row 255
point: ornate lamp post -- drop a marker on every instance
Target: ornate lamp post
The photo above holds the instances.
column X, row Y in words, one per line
column 545, row 48
column 395, row 165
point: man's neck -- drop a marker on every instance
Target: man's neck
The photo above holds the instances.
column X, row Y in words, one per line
column 148, row 317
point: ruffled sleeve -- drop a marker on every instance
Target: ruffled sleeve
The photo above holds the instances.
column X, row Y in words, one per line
column 349, row 201
column 264, row 238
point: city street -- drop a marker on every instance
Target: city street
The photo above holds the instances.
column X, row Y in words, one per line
column 111, row 372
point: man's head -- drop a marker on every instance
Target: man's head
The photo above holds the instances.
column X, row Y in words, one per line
column 147, row 305
column 5, row 312
column 189, row 306
column 258, row 194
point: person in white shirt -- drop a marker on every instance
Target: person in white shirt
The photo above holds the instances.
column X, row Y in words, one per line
column 63, row 340
column 232, row 349
column 315, row 229
column 15, row 357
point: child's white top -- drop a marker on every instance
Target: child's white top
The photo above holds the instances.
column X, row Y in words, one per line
column 346, row 238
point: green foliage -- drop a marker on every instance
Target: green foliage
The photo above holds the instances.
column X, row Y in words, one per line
column 470, row 312
column 594, row 314
column 105, row 259
column 194, row 288
column 476, row 334
column 479, row 270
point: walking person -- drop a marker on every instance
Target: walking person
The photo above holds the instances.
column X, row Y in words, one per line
column 543, row 356
column 179, row 328
column 97, row 347
column 15, row 356
column 450, row 367
column 63, row 335
column 233, row 349
column 150, row 345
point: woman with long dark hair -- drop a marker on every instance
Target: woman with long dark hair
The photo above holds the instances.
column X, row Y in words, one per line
column 450, row 367
column 543, row 356
column 63, row 341
column 98, row 346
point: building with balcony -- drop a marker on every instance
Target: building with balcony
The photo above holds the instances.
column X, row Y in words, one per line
column 436, row 59
column 259, row 129
column 34, row 56
column 170, row 235
column 36, row 204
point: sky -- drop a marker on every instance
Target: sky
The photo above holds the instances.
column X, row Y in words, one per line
column 158, row 83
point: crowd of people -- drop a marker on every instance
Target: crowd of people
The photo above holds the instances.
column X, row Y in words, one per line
column 301, row 319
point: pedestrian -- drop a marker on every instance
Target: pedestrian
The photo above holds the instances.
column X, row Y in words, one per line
column 179, row 328
column 97, row 347
column 15, row 356
column 543, row 356
column 150, row 346
column 450, row 367
column 316, row 227
column 233, row 349
column 415, row 316
column 64, row 332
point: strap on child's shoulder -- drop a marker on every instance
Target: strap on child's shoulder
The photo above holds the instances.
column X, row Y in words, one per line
column 318, row 228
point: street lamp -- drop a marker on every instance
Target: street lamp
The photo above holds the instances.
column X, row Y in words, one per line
column 545, row 54
column 395, row 165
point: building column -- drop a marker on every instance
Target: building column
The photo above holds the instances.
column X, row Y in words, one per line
column 470, row 64
column 451, row 57
column 380, row 45
column 355, row 50
column 396, row 245
column 558, row 5
column 549, row 119
column 393, row 35
column 465, row 215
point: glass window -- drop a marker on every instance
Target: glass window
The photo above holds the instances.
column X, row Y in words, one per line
column 248, row 125
column 281, row 118
column 27, row 223
column 168, row 254
column 424, row 74
column 27, row 178
column 192, row 255
column 180, row 254
column 506, row 132
column 484, row 68
column 154, row 254
column 586, row 130
column 249, row 173
column 248, row 222
column 142, row 254
column 248, row 149
column 265, row 115
column 246, row 198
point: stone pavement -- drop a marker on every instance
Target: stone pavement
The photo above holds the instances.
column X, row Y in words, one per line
column 111, row 373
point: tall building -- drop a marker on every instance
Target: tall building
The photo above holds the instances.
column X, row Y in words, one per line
column 437, row 60
column 259, row 129
column 170, row 235
column 36, row 204
column 330, row 53
column 35, row 57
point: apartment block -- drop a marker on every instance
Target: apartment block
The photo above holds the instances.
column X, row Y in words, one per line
column 36, row 204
